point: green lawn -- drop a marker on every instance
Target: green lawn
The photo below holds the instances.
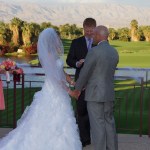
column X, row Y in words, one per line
column 7, row 114
column 131, row 46
column 132, row 54
column 127, row 107
column 127, row 103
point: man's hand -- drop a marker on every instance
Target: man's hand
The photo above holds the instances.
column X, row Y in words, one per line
column 79, row 63
column 75, row 94
column 72, row 83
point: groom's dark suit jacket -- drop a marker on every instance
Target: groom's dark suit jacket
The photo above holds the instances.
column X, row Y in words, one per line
column 78, row 50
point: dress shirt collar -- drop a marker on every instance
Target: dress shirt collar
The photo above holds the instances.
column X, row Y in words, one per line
column 102, row 41
column 87, row 39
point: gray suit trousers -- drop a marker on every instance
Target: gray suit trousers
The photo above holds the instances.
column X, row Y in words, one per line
column 102, row 123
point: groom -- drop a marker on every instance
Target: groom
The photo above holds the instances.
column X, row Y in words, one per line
column 97, row 76
column 75, row 59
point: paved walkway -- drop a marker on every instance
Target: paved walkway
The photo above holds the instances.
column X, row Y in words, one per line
column 130, row 142
column 126, row 141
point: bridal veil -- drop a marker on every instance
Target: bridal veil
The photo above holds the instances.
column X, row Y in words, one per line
column 50, row 47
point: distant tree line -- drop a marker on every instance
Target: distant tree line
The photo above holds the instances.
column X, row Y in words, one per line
column 134, row 33
column 21, row 34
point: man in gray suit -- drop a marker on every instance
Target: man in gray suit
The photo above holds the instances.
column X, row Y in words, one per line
column 97, row 76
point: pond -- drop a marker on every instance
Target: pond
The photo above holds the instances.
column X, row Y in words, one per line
column 25, row 60
column 19, row 59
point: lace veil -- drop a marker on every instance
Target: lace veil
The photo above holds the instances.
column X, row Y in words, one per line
column 49, row 48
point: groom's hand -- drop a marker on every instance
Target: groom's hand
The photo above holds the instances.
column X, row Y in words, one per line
column 76, row 94
column 79, row 63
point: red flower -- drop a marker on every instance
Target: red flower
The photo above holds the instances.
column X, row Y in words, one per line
column 8, row 65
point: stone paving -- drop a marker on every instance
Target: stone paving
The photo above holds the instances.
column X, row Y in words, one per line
column 130, row 142
column 125, row 141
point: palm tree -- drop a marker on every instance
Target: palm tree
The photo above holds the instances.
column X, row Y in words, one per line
column 30, row 33
column 146, row 32
column 113, row 34
column 35, row 31
column 5, row 34
column 65, row 31
column 15, row 26
column 75, row 31
column 123, row 34
column 2, row 35
column 45, row 25
column 134, row 30
column 27, row 33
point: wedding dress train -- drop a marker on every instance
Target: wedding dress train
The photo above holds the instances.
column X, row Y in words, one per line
column 49, row 122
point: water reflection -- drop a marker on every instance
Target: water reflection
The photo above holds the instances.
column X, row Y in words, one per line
column 28, row 70
column 19, row 59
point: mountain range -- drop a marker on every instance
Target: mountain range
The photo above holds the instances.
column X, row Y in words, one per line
column 111, row 15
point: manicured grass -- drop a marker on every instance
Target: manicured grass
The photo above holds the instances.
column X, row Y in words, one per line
column 15, row 54
column 127, row 106
column 131, row 54
column 7, row 115
column 131, row 47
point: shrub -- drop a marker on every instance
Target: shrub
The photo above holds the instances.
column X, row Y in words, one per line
column 30, row 49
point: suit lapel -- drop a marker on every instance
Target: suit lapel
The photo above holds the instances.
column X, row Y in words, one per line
column 94, row 45
column 84, row 44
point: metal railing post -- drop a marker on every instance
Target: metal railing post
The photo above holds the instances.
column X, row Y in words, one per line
column 22, row 103
column 141, row 107
column 14, row 106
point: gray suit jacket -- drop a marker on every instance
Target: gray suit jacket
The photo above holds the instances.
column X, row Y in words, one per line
column 97, row 74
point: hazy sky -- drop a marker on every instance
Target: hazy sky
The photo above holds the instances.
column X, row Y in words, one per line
column 138, row 3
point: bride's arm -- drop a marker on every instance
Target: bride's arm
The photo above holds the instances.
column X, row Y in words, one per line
column 71, row 82
column 69, row 79
column 69, row 91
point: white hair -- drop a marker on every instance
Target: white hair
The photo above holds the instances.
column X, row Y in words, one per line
column 102, row 30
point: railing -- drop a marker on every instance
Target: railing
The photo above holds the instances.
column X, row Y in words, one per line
column 132, row 105
column 17, row 96
column 126, row 110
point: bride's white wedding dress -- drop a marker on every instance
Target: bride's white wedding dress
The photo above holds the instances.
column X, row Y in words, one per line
column 48, row 123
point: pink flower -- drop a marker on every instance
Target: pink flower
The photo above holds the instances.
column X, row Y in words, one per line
column 8, row 65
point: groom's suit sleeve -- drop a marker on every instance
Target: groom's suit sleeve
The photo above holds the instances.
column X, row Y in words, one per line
column 71, row 58
column 86, row 71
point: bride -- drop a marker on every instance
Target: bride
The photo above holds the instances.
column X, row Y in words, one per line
column 48, row 123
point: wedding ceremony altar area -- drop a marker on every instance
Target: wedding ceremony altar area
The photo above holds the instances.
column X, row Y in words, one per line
column 132, row 106
column 131, row 102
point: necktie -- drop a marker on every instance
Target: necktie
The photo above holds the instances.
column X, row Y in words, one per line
column 89, row 43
